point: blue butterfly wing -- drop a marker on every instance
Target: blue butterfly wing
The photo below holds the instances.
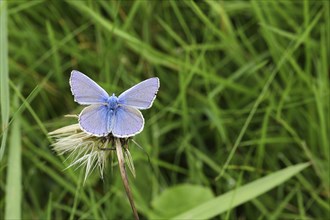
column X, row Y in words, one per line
column 96, row 120
column 142, row 95
column 85, row 90
column 127, row 122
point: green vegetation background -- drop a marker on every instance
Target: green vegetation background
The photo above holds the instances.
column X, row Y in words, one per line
column 244, row 94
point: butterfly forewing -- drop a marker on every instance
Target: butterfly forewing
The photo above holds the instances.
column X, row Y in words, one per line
column 85, row 90
column 142, row 95
column 95, row 120
column 127, row 122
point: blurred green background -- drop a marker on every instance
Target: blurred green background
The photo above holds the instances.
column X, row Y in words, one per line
column 243, row 107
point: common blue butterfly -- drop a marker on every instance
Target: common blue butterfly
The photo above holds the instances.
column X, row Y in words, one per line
column 106, row 114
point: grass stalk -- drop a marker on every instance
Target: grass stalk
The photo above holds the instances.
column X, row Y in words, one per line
column 123, row 173
column 14, row 173
column 4, row 77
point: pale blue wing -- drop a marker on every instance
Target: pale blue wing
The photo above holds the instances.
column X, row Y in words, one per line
column 85, row 90
column 127, row 122
column 142, row 95
column 96, row 120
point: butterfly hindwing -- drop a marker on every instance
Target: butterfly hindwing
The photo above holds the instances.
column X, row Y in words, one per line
column 127, row 122
column 96, row 120
column 142, row 95
column 85, row 90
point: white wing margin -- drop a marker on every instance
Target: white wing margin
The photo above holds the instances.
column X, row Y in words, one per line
column 95, row 120
column 127, row 122
column 85, row 90
column 142, row 95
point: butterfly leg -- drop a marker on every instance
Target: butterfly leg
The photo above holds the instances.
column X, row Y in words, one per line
column 107, row 141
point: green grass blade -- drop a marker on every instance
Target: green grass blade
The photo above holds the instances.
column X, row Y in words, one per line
column 14, row 174
column 30, row 109
column 76, row 198
column 4, row 76
column 49, row 207
column 244, row 93
column 241, row 195
column 56, row 57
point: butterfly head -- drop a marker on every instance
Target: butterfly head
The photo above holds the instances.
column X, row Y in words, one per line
column 112, row 102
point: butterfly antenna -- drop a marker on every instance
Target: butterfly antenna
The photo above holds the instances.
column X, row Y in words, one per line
column 146, row 153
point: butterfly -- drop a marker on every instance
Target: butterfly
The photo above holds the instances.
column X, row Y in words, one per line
column 105, row 114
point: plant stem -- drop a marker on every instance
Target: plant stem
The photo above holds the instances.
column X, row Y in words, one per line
column 123, row 174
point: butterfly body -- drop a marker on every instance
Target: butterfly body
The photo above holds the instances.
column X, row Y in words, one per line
column 114, row 115
column 112, row 102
